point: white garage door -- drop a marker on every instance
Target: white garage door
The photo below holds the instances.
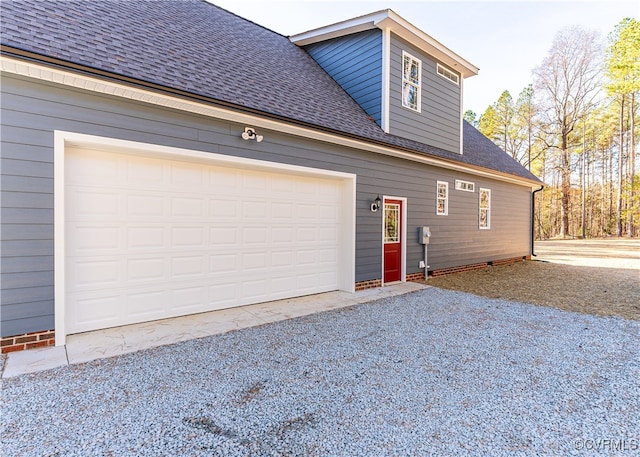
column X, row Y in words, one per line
column 149, row 238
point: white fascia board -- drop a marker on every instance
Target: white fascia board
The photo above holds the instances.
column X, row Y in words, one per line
column 387, row 19
column 69, row 78
column 427, row 43
column 358, row 24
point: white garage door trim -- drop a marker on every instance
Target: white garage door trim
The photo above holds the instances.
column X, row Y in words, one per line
column 65, row 140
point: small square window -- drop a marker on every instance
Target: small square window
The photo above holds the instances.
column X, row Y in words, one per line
column 467, row 186
column 448, row 74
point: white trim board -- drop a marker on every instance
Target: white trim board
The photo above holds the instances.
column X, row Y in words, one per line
column 64, row 140
column 388, row 19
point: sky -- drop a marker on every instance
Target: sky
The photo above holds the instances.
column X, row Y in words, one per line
column 505, row 39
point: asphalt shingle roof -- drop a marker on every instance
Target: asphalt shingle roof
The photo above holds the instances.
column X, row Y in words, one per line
column 197, row 47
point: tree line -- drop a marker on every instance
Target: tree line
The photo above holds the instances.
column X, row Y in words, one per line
column 574, row 128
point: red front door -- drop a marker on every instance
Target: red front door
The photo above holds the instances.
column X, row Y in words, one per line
column 392, row 239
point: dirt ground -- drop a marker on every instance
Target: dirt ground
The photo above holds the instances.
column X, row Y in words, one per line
column 600, row 277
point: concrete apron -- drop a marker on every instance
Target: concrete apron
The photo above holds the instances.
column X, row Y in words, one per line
column 115, row 341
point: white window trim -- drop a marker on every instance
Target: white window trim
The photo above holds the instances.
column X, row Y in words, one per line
column 418, row 108
column 464, row 185
column 488, row 209
column 448, row 74
column 446, row 199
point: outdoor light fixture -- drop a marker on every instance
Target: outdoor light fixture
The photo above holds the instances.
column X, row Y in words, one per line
column 250, row 134
column 375, row 206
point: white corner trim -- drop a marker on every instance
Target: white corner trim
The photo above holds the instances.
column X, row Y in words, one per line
column 59, row 280
column 102, row 86
column 386, row 77
column 461, row 116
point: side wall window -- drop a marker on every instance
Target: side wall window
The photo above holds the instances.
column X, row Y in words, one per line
column 411, row 81
column 485, row 208
column 442, row 199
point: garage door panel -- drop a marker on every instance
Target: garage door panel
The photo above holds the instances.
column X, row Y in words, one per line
column 188, row 207
column 92, row 310
column 254, row 210
column 94, row 165
column 254, row 261
column 306, row 212
column 191, row 237
column 283, row 237
column 307, row 234
column 223, row 294
column 282, row 211
column 188, row 236
column 90, row 203
column 254, row 181
column 254, row 235
column 92, row 274
column 146, row 305
column 141, row 171
column 146, row 206
column 146, row 269
column 188, row 266
column 223, row 236
column 283, row 259
column 189, row 299
column 146, row 237
column 224, row 263
column 223, row 210
column 328, row 235
column 87, row 239
column 191, row 175
column 225, row 180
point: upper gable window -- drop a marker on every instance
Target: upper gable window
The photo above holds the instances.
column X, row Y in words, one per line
column 411, row 81
column 446, row 73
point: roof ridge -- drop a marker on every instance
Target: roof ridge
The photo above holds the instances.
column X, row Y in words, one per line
column 209, row 2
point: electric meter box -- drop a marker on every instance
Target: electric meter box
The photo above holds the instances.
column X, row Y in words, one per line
column 425, row 234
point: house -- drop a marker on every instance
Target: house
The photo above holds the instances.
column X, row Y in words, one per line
column 165, row 160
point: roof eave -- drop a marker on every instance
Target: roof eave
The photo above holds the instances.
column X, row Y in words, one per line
column 53, row 70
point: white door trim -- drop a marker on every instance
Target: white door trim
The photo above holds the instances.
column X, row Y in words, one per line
column 63, row 140
column 403, row 241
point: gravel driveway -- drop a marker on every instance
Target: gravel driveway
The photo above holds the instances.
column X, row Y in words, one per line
column 434, row 372
column 600, row 277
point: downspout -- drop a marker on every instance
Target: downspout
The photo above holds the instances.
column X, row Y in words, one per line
column 533, row 215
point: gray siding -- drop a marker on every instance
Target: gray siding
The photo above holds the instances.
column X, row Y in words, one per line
column 32, row 111
column 355, row 62
column 438, row 122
